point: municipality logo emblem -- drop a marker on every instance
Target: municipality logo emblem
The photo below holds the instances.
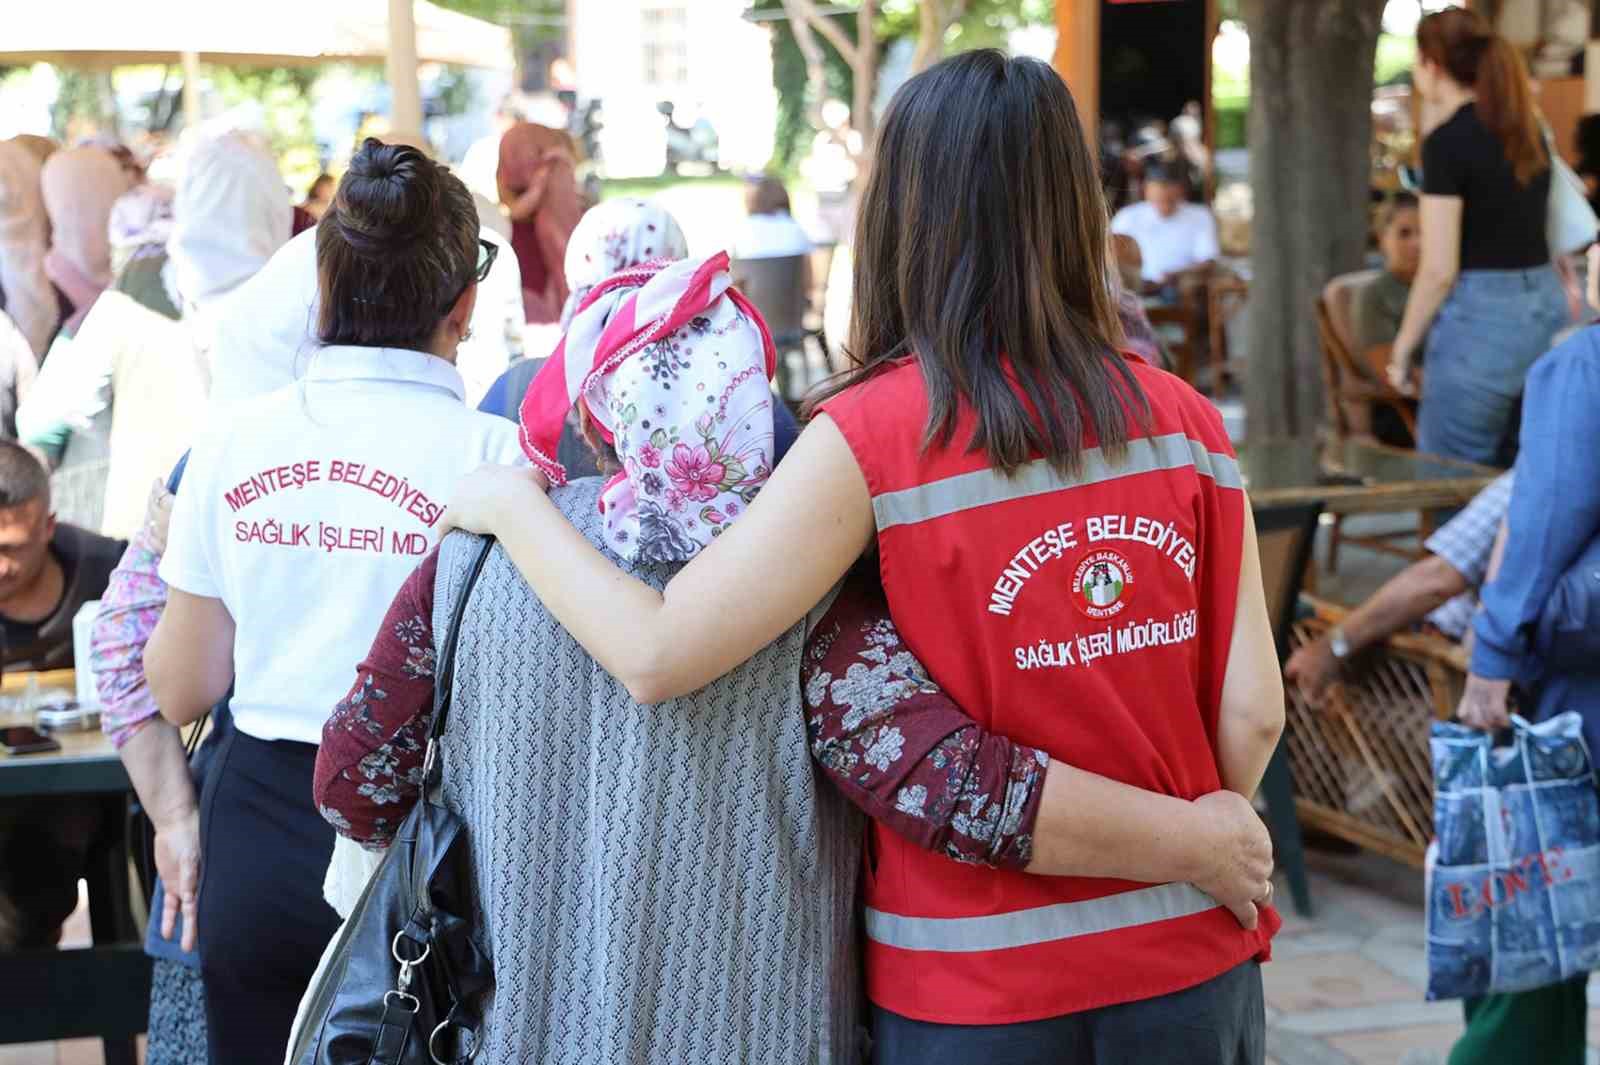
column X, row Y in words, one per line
column 1102, row 584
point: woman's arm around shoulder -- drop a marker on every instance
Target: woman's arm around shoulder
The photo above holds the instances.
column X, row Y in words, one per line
column 900, row 749
column 369, row 765
column 809, row 524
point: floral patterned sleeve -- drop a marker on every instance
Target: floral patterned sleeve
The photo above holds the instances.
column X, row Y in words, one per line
column 900, row 749
column 369, row 767
column 132, row 604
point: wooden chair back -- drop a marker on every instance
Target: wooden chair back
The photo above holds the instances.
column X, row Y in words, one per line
column 1178, row 328
column 1345, row 379
column 776, row 285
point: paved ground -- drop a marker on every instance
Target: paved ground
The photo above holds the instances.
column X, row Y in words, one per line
column 1346, row 986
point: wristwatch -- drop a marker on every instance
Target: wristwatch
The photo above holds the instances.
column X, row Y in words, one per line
column 1338, row 643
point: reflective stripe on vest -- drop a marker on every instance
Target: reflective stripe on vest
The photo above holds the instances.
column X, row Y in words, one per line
column 980, row 488
column 1043, row 924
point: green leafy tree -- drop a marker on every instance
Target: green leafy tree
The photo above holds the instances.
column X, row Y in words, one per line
column 538, row 30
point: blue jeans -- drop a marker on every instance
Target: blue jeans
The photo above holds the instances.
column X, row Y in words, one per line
column 1219, row 1022
column 1491, row 329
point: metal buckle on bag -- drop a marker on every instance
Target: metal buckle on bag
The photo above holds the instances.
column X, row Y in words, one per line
column 414, row 1006
column 407, row 964
column 468, row 1056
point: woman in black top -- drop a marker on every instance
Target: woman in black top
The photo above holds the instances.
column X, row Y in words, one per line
column 1487, row 299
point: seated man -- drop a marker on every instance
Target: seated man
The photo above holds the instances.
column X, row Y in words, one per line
column 47, row 571
column 1175, row 237
column 1441, row 591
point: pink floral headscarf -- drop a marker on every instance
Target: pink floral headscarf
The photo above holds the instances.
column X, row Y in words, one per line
column 674, row 367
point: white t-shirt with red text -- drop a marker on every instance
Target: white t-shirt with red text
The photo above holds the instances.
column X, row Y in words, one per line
column 305, row 509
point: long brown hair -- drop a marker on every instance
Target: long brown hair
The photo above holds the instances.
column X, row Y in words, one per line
column 1466, row 47
column 980, row 242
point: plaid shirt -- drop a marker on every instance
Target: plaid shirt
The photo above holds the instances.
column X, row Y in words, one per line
column 1466, row 541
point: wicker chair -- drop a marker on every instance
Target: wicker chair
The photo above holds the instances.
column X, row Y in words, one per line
column 1348, row 382
column 1284, row 537
column 1361, row 763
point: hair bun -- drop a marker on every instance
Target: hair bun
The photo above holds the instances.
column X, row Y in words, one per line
column 389, row 198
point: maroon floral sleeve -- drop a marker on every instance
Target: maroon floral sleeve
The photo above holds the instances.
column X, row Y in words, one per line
column 900, row 749
column 889, row 738
column 369, row 767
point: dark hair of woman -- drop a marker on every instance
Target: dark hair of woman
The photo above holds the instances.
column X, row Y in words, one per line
column 1466, row 47
column 767, row 196
column 982, row 250
column 395, row 250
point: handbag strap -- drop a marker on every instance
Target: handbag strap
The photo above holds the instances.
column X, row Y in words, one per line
column 445, row 673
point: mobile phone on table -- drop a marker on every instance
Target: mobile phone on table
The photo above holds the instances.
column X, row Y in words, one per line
column 24, row 739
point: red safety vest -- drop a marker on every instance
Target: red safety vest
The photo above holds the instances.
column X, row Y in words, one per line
column 1088, row 616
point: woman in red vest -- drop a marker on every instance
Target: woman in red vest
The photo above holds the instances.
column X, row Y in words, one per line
column 1064, row 540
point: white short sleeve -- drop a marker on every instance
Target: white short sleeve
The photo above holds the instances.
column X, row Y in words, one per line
column 192, row 562
column 1123, row 222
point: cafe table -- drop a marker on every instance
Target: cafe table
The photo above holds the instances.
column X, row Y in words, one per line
column 99, row 991
column 1355, row 477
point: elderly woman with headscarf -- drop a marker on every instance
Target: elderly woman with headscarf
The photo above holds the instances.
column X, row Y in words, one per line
column 539, row 188
column 132, row 385
column 24, row 242
column 573, row 807
column 80, row 186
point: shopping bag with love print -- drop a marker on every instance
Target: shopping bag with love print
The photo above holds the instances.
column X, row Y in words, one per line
column 1514, row 870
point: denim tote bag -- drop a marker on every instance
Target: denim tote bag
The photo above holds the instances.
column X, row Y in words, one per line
column 1514, row 870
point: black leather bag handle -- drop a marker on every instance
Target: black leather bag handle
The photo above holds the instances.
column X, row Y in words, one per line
column 444, row 674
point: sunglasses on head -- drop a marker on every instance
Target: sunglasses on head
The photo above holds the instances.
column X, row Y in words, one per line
column 487, row 252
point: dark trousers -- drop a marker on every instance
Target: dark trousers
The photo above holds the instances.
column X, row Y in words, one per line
column 262, row 922
column 1220, row 1022
column 1548, row 1025
column 45, row 845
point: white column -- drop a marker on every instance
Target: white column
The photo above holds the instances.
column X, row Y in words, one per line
column 191, row 89
column 405, row 114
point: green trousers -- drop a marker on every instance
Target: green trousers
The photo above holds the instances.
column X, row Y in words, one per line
column 1546, row 1025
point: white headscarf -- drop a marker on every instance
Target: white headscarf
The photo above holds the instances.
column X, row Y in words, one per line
column 613, row 236
column 265, row 328
column 231, row 213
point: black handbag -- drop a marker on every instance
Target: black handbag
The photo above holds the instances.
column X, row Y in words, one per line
column 405, row 977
